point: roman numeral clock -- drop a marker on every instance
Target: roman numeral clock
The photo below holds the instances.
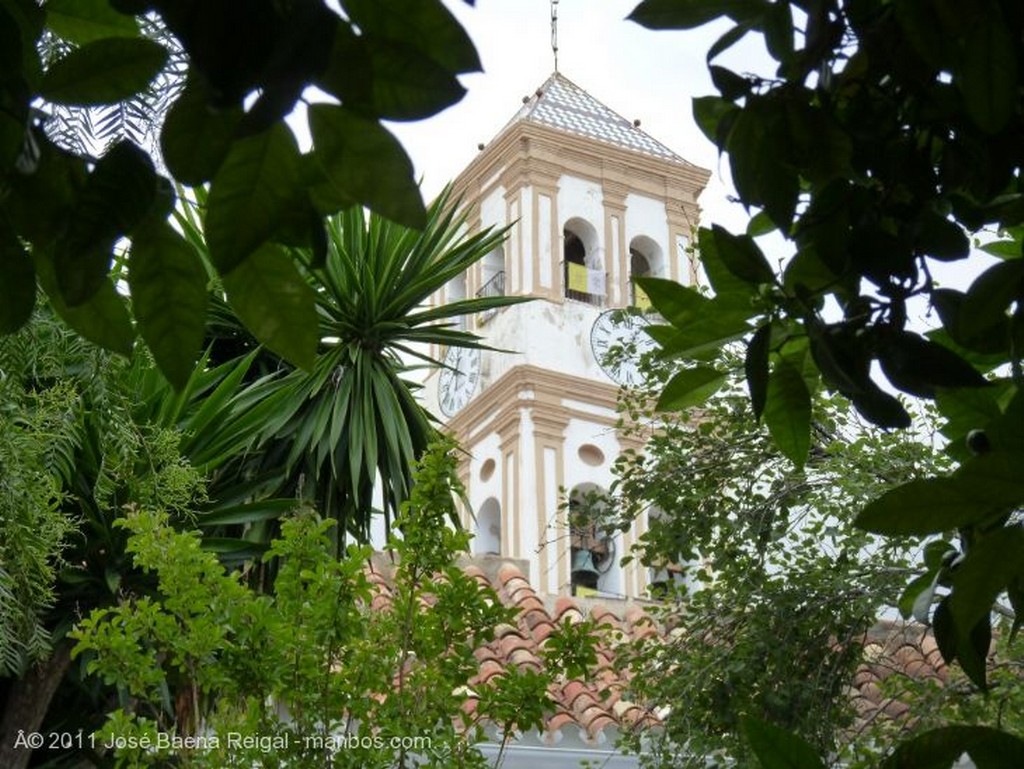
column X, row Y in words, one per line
column 619, row 341
column 591, row 202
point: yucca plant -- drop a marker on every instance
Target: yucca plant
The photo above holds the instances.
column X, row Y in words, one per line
column 346, row 434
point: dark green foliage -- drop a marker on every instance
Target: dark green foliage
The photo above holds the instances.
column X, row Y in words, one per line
column 106, row 72
column 887, row 133
column 779, row 584
column 354, row 646
column 330, row 433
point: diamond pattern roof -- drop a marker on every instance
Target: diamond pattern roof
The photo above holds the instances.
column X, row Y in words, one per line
column 562, row 104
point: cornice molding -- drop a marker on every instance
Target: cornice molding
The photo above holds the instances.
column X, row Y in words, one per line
column 526, row 152
column 540, row 390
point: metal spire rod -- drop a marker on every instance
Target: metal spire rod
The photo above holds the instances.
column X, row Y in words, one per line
column 554, row 31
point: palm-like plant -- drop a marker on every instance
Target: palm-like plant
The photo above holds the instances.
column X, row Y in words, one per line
column 346, row 434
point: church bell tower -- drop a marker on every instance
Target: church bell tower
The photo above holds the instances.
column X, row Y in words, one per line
column 593, row 202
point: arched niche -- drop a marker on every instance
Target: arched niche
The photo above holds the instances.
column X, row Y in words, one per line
column 488, row 528
column 646, row 259
column 593, row 550
column 583, row 266
column 456, row 290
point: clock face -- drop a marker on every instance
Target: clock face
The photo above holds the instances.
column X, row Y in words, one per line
column 624, row 330
column 457, row 383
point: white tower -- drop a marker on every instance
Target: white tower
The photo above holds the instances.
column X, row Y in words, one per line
column 593, row 202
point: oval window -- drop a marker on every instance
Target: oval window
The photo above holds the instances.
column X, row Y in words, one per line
column 591, row 455
column 487, row 470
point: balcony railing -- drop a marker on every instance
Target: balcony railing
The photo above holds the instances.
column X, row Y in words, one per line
column 495, row 286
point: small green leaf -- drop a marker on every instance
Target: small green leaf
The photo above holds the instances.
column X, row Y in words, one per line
column 703, row 337
column 777, row 22
column 690, row 387
column 728, row 83
column 168, row 286
column 808, row 274
column 911, row 597
column 196, row 138
column 17, row 282
column 103, row 71
column 365, row 162
column 777, row 748
column 713, row 115
column 755, row 367
column 83, row 21
column 787, row 412
column 276, row 304
column 759, row 151
column 251, row 195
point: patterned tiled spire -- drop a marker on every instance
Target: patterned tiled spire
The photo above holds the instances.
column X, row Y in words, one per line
column 562, row 104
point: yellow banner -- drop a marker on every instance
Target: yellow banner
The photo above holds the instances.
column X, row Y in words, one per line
column 640, row 298
column 578, row 277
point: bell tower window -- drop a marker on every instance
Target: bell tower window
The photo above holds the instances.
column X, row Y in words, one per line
column 584, row 275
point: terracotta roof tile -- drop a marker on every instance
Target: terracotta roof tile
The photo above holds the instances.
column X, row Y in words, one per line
column 601, row 701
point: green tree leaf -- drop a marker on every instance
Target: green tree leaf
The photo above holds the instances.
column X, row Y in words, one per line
column 119, row 192
column 787, row 412
column 83, row 21
column 777, row 748
column 992, row 564
column 742, row 257
column 276, row 304
column 676, row 303
column 940, row 748
column 922, row 506
column 714, row 115
column 918, row 366
column 730, row 292
column 251, row 195
column 103, row 71
column 690, row 387
column 169, row 296
column 425, row 25
column 672, row 14
column 759, row 151
column 987, row 76
column 942, row 239
column 371, row 77
column 755, row 367
column 196, row 138
column 102, row 319
column 366, row 163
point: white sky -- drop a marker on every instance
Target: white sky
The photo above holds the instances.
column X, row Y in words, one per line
column 639, row 73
